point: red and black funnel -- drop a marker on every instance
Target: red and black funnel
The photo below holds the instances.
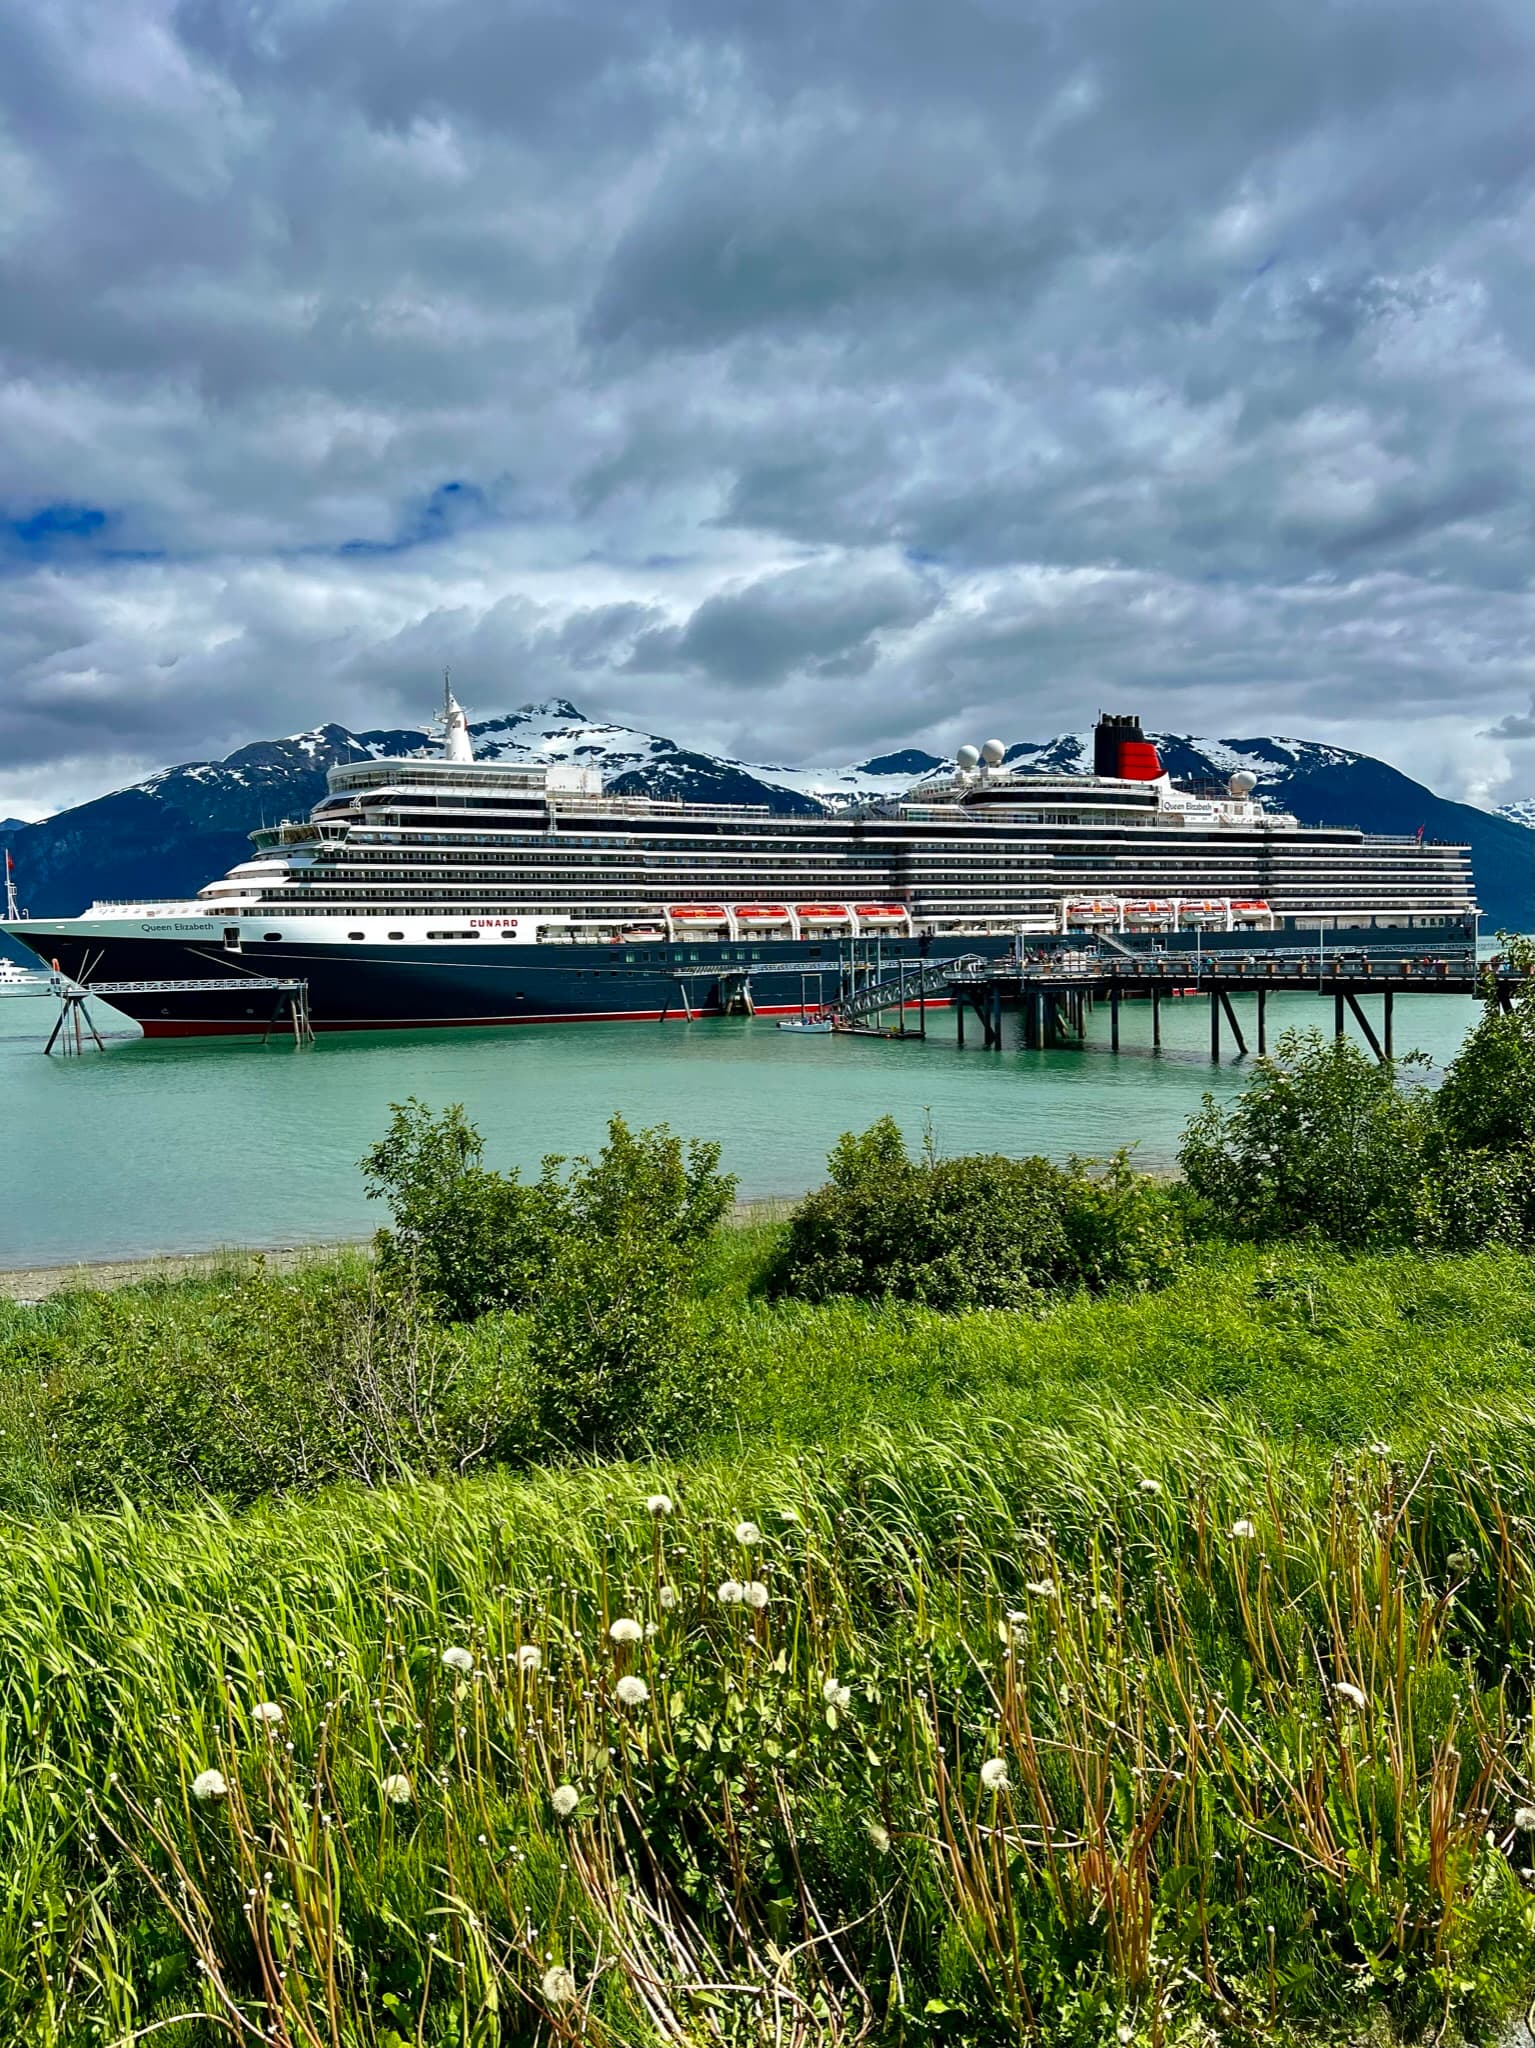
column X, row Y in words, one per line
column 1121, row 748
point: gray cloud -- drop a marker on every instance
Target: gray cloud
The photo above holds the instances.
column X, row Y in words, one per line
column 799, row 379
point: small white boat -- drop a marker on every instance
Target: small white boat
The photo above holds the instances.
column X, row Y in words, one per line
column 17, row 981
column 821, row 1027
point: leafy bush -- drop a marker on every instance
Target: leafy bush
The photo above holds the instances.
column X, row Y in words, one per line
column 980, row 1231
column 1323, row 1141
column 617, row 1346
column 469, row 1239
column 465, row 1238
column 257, row 1386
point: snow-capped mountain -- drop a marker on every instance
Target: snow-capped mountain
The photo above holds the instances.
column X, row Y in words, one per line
column 1521, row 812
column 182, row 826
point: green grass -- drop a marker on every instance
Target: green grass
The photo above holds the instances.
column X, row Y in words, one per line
column 1009, row 1538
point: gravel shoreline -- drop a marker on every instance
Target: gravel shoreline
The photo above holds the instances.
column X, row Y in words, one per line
column 28, row 1284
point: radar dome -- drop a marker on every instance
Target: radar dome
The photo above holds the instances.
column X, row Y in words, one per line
column 967, row 758
column 1243, row 783
column 992, row 753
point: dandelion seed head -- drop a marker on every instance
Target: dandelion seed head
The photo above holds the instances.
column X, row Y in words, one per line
column 210, row 1784
column 529, row 1657
column 748, row 1534
column 1042, row 1589
column 625, row 1630
column 731, row 1594
column 879, row 1836
column 1524, row 1820
column 268, row 1713
column 1244, row 1528
column 559, row 1986
column 659, row 1504
column 565, row 1799
column 668, row 1597
column 1351, row 1693
column 755, row 1594
column 632, row 1692
column 994, row 1774
column 1149, row 1485
column 458, row 1660
column 396, row 1788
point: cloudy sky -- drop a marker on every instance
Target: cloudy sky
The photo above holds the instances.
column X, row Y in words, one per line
column 796, row 377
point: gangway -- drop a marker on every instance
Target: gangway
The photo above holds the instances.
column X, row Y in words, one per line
column 908, row 982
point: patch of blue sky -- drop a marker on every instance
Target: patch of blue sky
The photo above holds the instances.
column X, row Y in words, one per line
column 451, row 508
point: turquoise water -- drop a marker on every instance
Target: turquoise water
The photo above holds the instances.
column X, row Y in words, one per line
column 168, row 1147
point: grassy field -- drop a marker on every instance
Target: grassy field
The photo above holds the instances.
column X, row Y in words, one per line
column 1145, row 1669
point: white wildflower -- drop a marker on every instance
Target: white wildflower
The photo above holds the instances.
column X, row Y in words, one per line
column 458, row 1660
column 529, row 1657
column 1379, row 1450
column 559, row 1986
column 748, row 1534
column 626, row 1631
column 755, row 1594
column 994, row 1774
column 1524, row 1819
column 1351, row 1693
column 1042, row 1589
column 1149, row 1485
column 668, row 1597
column 632, row 1692
column 731, row 1594
column 396, row 1789
column 565, row 1799
column 1244, row 1528
column 268, row 1713
column 210, row 1785
column 659, row 1504
column 837, row 1695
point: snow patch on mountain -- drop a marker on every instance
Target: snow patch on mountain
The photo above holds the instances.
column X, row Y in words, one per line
column 1521, row 812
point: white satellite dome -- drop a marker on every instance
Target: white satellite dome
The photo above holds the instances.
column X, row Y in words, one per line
column 993, row 753
column 968, row 758
column 1243, row 783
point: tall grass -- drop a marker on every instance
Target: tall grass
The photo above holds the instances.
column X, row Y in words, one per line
column 1107, row 1731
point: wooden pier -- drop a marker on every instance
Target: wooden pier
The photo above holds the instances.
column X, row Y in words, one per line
column 1056, row 997
column 74, row 1019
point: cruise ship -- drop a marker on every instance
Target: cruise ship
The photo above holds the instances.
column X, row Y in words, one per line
column 443, row 890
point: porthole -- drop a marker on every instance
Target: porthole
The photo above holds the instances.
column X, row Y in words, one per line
column 397, row 935
column 272, row 938
column 357, row 935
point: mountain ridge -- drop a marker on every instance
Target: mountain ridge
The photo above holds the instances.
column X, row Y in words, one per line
column 184, row 825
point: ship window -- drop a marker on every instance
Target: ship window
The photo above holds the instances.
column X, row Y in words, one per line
column 357, row 935
column 453, row 935
column 397, row 935
column 272, row 937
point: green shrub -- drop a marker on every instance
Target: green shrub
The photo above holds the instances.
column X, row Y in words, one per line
column 980, row 1231
column 465, row 1238
column 259, row 1386
column 1323, row 1141
column 618, row 1348
column 469, row 1239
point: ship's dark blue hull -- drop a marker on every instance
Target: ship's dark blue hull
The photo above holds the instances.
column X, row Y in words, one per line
column 356, row 988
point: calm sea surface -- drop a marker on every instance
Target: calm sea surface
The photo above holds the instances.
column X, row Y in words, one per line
column 169, row 1147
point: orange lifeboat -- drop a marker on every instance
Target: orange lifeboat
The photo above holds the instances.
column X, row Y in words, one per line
column 698, row 913
column 880, row 913
column 823, row 913
column 762, row 913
